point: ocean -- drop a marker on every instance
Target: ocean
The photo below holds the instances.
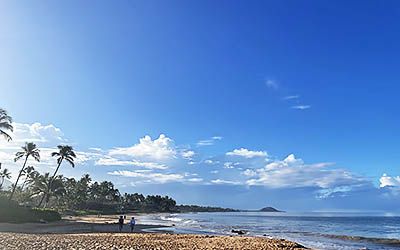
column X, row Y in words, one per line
column 328, row 231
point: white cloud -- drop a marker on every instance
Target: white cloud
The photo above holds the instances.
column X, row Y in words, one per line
column 211, row 162
column 149, row 177
column 301, row 107
column 225, row 182
column 230, row 165
column 290, row 97
column 209, row 142
column 110, row 161
column 243, row 152
column 389, row 181
column 36, row 133
column 249, row 172
column 292, row 173
column 272, row 84
column 188, row 154
column 96, row 149
column 195, row 179
column 158, row 149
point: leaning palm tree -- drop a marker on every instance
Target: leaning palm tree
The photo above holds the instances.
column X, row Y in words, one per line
column 29, row 149
column 5, row 124
column 65, row 152
column 5, row 174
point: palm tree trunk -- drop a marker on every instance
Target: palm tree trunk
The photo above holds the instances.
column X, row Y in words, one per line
column 49, row 187
column 55, row 173
column 19, row 176
column 41, row 200
column 23, row 183
column 46, row 201
column 2, row 182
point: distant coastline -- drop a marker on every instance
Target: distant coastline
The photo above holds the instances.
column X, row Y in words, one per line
column 197, row 208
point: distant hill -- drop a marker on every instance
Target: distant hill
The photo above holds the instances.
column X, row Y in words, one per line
column 269, row 209
column 195, row 208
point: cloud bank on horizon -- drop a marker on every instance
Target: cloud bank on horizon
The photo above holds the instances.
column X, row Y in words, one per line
column 161, row 161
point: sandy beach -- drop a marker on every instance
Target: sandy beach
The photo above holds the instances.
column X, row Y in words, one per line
column 107, row 241
column 93, row 232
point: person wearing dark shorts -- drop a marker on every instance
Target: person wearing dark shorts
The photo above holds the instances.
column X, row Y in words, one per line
column 121, row 223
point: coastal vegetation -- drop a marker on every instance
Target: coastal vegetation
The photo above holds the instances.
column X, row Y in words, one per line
column 195, row 208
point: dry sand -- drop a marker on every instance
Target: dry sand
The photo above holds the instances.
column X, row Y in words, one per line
column 124, row 241
column 100, row 232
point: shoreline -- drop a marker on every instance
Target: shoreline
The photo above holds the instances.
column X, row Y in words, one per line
column 68, row 227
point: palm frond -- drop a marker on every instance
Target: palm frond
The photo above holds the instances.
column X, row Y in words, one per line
column 6, row 125
column 71, row 161
column 36, row 155
column 5, row 135
column 55, row 154
column 19, row 155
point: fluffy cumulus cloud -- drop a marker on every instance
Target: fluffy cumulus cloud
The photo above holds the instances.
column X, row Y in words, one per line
column 292, row 173
column 244, row 152
column 389, row 181
column 159, row 154
column 37, row 133
column 158, row 149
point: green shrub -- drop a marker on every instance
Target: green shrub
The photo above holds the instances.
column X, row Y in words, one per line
column 10, row 211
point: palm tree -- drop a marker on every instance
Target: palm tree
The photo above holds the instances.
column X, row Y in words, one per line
column 29, row 149
column 5, row 174
column 5, row 124
column 29, row 173
column 65, row 152
column 47, row 187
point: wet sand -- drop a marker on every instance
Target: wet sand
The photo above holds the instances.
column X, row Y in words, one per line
column 77, row 224
column 124, row 241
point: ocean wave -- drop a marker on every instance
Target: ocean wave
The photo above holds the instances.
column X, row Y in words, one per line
column 385, row 241
column 173, row 219
column 190, row 222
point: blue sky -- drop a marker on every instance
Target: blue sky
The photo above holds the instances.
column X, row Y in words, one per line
column 315, row 79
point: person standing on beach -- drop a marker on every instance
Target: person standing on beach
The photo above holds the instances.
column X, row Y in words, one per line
column 121, row 222
column 132, row 224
